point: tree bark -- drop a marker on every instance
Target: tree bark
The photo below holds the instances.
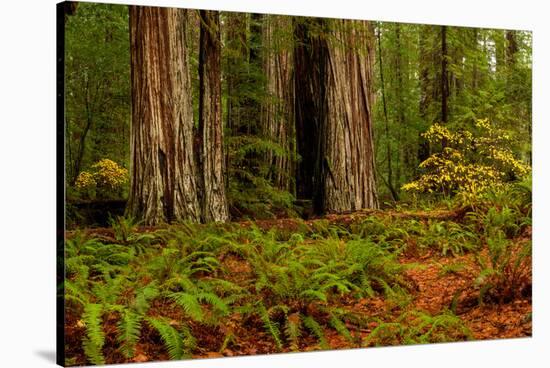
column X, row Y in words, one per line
column 511, row 48
column 277, row 111
column 163, row 181
column 338, row 85
column 213, row 199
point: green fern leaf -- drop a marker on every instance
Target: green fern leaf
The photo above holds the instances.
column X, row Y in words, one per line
column 129, row 328
column 170, row 336
column 270, row 326
column 293, row 330
column 215, row 301
column 95, row 337
column 340, row 327
column 317, row 330
column 144, row 296
column 190, row 305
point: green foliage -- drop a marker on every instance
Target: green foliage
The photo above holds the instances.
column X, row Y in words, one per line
column 311, row 324
column 505, row 271
column 418, row 328
column 293, row 330
column 95, row 337
column 270, row 326
column 295, row 285
column 97, row 98
column 170, row 336
column 129, row 331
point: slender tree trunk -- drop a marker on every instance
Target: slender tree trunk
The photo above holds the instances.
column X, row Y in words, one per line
column 386, row 123
column 511, row 48
column 84, row 134
column 444, row 76
column 213, row 198
column 475, row 46
column 400, row 101
column 236, row 41
column 163, row 181
column 251, row 105
column 340, row 84
column 425, row 91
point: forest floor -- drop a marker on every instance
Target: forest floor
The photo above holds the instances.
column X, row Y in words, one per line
column 437, row 297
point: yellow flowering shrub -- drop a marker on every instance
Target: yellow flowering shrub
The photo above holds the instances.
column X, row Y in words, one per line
column 109, row 174
column 85, row 180
column 467, row 163
column 106, row 178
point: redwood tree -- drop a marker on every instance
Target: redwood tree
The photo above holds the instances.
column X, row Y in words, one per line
column 277, row 118
column 334, row 100
column 163, row 181
column 211, row 162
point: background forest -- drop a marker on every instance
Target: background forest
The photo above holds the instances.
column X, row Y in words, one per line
column 423, row 75
column 244, row 183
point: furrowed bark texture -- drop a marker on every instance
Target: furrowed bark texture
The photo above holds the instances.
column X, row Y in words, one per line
column 213, row 198
column 347, row 144
column 163, row 182
column 277, row 113
column 340, row 90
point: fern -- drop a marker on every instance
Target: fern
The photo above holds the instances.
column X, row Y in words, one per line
column 190, row 305
column 311, row 294
column 340, row 327
column 293, row 330
column 128, row 328
column 215, row 301
column 144, row 296
column 317, row 330
column 170, row 336
column 95, row 337
column 270, row 326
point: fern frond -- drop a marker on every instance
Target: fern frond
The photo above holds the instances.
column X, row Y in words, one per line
column 317, row 330
column 215, row 301
column 95, row 337
column 340, row 327
column 293, row 330
column 190, row 305
column 270, row 326
column 75, row 293
column 128, row 328
column 170, row 336
column 93, row 352
column 144, row 296
column 314, row 294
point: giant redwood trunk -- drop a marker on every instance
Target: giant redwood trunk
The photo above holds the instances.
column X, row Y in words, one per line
column 309, row 59
column 277, row 115
column 211, row 163
column 163, row 181
column 337, row 91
